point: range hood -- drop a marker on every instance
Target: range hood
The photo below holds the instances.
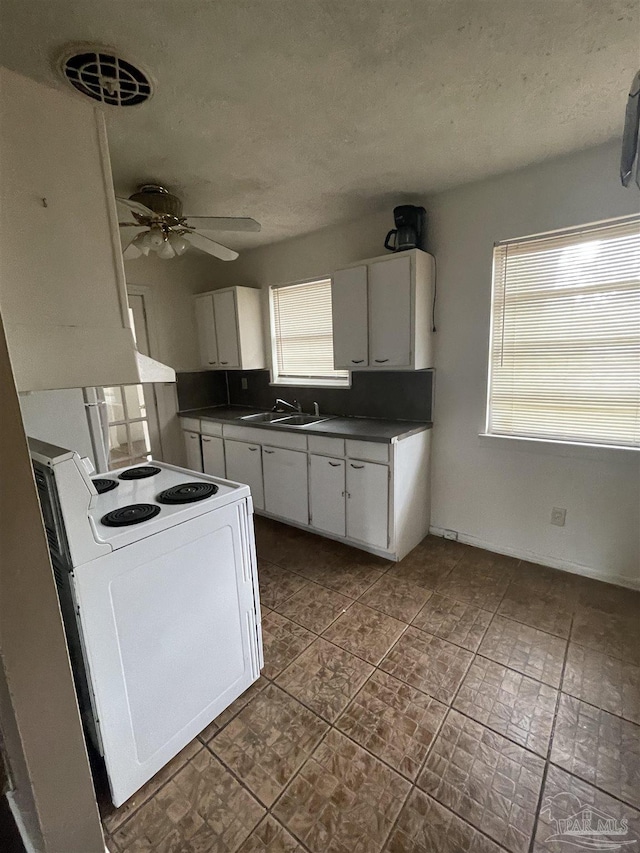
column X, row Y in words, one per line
column 52, row 357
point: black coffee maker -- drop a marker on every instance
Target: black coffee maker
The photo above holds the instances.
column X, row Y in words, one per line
column 410, row 230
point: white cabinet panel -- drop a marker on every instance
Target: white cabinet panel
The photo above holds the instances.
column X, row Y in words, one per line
column 349, row 308
column 225, row 314
column 390, row 313
column 368, row 503
column 194, row 452
column 286, row 484
column 244, row 465
column 327, row 494
column 206, row 331
column 213, row 456
column 230, row 328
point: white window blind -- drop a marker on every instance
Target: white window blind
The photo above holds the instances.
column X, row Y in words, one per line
column 565, row 336
column 303, row 333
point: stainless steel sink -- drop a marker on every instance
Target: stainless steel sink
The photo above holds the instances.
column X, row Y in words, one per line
column 281, row 418
column 301, row 420
column 264, row 417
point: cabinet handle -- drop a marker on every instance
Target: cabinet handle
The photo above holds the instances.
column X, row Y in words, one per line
column 269, row 451
column 356, row 466
column 253, row 448
column 213, row 362
column 224, row 362
column 357, row 360
column 380, row 360
column 206, row 439
column 193, row 437
column 335, row 464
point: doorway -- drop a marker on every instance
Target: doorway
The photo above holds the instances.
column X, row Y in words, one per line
column 132, row 430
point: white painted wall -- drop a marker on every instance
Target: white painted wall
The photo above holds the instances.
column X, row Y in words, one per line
column 498, row 493
column 495, row 492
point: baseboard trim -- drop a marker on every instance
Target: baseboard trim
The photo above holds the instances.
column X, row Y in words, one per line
column 22, row 829
column 545, row 560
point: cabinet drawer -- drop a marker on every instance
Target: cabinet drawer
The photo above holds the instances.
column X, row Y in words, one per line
column 210, row 428
column 190, row 424
column 274, row 437
column 372, row 451
column 327, row 446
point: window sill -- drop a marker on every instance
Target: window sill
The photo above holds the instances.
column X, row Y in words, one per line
column 311, row 383
column 557, row 446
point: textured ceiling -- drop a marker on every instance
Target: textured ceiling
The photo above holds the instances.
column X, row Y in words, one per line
column 303, row 113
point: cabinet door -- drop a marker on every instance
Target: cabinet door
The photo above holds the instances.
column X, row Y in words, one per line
column 368, row 503
column 224, row 311
column 206, row 331
column 213, row 456
column 349, row 308
column 286, row 484
column 194, row 452
column 244, row 465
column 390, row 313
column 327, row 494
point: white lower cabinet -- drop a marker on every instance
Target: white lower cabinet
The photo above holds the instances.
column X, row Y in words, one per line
column 327, row 494
column 213, row 456
column 286, row 483
column 194, row 452
column 244, row 465
column 368, row 503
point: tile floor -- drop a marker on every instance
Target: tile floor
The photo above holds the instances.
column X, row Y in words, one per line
column 456, row 702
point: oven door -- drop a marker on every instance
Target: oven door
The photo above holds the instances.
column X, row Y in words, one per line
column 171, row 637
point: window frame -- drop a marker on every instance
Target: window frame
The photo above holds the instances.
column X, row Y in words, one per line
column 297, row 381
column 523, row 439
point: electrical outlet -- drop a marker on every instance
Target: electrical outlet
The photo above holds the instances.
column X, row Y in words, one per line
column 451, row 534
column 244, row 383
column 558, row 516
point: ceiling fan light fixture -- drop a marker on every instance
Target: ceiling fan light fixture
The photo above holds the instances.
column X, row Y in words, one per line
column 178, row 243
column 155, row 238
column 166, row 251
column 141, row 243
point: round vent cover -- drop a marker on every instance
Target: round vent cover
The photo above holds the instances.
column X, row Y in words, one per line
column 105, row 77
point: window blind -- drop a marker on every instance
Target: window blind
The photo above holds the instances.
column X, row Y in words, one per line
column 565, row 336
column 303, row 332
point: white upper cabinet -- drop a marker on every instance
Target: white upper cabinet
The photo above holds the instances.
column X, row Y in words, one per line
column 62, row 286
column 206, row 331
column 229, row 323
column 349, row 309
column 390, row 313
column 382, row 313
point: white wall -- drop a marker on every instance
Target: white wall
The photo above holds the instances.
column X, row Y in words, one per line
column 495, row 492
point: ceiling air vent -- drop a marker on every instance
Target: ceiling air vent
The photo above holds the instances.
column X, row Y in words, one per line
column 100, row 74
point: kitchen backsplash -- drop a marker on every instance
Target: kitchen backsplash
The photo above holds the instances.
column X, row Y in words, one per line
column 402, row 395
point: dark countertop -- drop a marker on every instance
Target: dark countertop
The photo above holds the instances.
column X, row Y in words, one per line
column 360, row 429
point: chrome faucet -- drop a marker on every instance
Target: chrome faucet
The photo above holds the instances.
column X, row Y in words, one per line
column 316, row 410
column 295, row 406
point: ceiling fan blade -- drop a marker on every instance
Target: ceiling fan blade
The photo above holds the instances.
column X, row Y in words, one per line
column 210, row 246
column 223, row 223
column 125, row 206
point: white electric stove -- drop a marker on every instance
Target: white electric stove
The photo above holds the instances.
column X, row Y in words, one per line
column 156, row 571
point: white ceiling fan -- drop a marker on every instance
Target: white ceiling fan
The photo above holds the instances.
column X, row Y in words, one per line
column 152, row 221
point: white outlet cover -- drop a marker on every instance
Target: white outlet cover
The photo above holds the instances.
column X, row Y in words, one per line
column 558, row 516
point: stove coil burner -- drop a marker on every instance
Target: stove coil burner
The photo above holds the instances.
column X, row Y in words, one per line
column 139, row 473
column 104, row 484
column 132, row 514
column 187, row 493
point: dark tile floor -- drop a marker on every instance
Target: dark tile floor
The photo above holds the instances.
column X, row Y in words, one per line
column 456, row 702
